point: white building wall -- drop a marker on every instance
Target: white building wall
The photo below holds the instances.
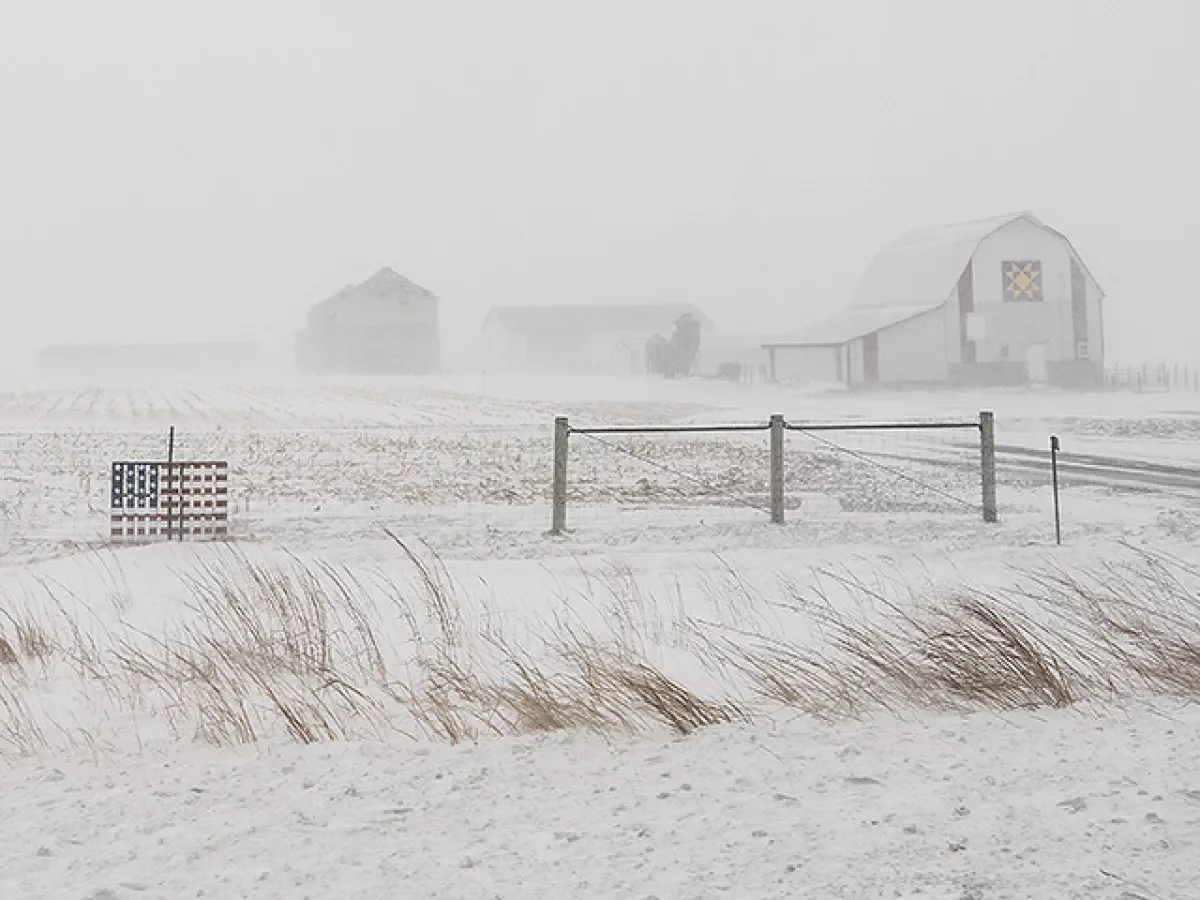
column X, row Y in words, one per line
column 1011, row 327
column 367, row 312
column 753, row 359
column 806, row 365
column 914, row 350
column 854, row 353
column 952, row 329
column 1095, row 313
column 502, row 351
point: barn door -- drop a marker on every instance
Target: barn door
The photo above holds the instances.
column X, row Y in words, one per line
column 1035, row 363
column 871, row 358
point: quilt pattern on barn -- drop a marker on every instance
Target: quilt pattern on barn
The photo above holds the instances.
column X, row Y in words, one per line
column 1022, row 280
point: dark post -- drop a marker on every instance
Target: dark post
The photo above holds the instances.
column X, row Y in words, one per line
column 777, row 470
column 170, row 496
column 1054, row 477
column 558, row 513
column 987, row 455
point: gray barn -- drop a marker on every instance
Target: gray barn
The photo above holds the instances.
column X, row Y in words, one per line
column 386, row 325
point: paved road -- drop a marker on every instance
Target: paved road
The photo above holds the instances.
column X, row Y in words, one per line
column 1102, row 471
column 1074, row 469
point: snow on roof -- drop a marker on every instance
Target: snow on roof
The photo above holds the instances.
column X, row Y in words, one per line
column 846, row 326
column 647, row 318
column 384, row 285
column 922, row 268
column 910, row 276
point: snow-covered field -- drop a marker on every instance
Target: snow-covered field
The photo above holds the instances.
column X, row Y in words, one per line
column 390, row 541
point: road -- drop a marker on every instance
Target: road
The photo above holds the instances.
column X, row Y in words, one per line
column 1101, row 471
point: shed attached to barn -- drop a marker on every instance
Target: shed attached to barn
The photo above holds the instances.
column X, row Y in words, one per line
column 1005, row 300
column 386, row 325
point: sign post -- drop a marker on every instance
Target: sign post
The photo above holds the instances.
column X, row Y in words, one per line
column 171, row 495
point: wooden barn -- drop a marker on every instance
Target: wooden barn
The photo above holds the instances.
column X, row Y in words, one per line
column 386, row 325
column 581, row 339
column 996, row 301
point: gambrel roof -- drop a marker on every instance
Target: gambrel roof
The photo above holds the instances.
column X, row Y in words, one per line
column 922, row 268
column 910, row 276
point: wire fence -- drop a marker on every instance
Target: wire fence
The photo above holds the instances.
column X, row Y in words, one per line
column 477, row 487
column 478, row 483
column 1153, row 378
column 888, row 467
column 926, row 469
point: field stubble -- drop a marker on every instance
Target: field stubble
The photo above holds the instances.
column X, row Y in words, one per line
column 316, row 652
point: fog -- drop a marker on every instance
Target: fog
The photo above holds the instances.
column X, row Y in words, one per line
column 211, row 170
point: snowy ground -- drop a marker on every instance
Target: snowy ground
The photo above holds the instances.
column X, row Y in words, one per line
column 466, row 461
column 112, row 801
column 1045, row 806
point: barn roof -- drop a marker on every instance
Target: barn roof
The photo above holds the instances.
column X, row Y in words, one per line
column 846, row 326
column 908, row 277
column 648, row 318
column 922, row 268
column 384, row 285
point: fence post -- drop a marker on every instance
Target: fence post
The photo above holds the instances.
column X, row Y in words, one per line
column 558, row 514
column 777, row 470
column 174, row 495
column 987, row 452
column 1054, row 483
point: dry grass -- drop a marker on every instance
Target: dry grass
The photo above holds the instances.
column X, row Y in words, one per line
column 302, row 650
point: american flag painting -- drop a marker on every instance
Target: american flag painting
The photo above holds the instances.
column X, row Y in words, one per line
column 158, row 501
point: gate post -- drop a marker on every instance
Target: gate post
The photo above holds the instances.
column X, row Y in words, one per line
column 777, row 470
column 987, row 453
column 558, row 513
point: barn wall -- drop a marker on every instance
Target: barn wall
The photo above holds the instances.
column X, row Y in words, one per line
column 1010, row 328
column 806, row 365
column 1095, row 302
column 754, row 360
column 951, row 329
column 395, row 334
column 397, row 311
column 565, row 353
column 619, row 351
column 1085, row 324
column 502, row 350
column 914, row 350
column 854, row 354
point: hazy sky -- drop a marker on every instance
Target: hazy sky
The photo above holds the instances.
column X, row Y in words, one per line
column 214, row 168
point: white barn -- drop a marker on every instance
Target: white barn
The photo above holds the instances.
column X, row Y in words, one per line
column 1005, row 300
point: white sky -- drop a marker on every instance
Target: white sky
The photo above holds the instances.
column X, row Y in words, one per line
column 214, row 168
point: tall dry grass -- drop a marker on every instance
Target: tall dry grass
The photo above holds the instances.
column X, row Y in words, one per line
column 317, row 652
